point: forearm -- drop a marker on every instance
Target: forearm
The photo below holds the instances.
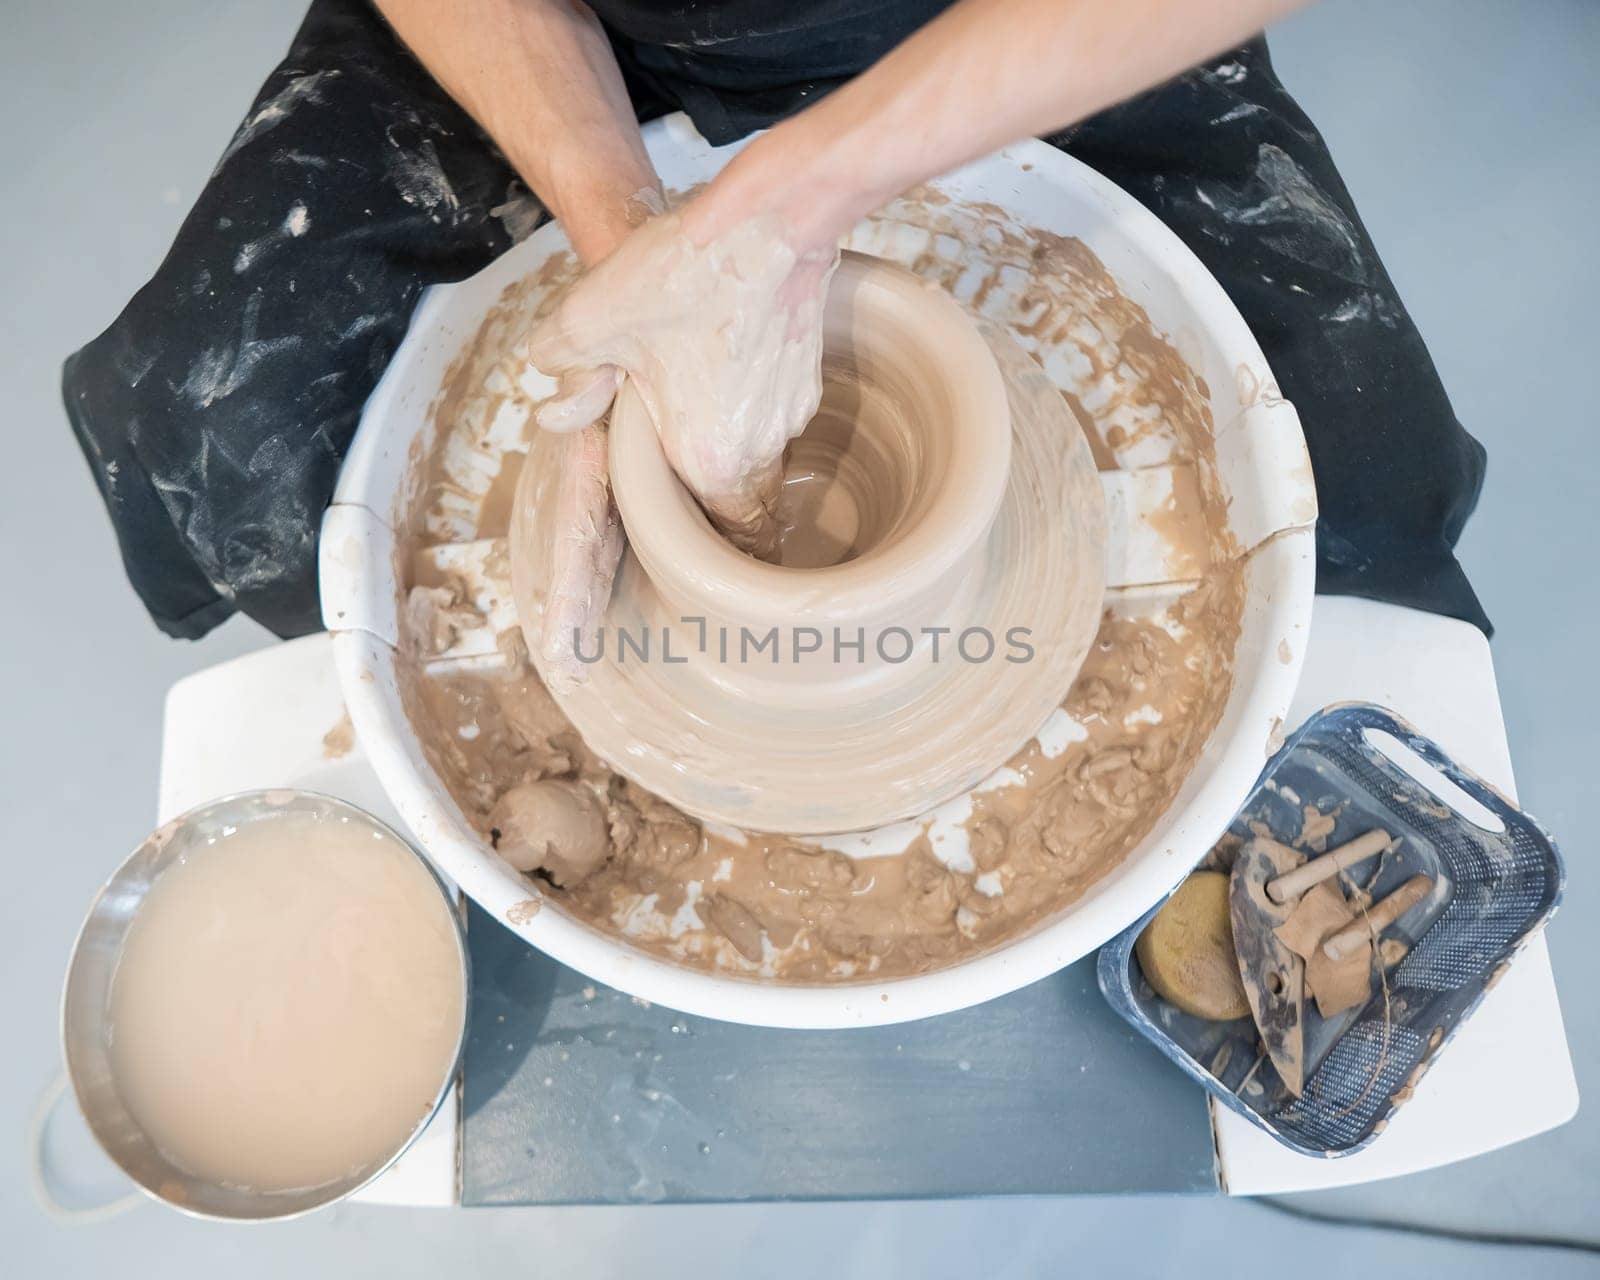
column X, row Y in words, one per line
column 983, row 74
column 540, row 77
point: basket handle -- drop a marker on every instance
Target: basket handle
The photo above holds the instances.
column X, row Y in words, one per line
column 1462, row 781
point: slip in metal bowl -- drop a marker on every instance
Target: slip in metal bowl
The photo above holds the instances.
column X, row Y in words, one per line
column 86, row 1000
column 1499, row 878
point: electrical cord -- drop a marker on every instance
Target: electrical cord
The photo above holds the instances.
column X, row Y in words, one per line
column 1508, row 1239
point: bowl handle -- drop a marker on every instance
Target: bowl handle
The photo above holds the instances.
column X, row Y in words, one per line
column 45, row 1187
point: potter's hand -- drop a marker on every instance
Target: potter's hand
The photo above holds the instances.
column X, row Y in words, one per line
column 540, row 76
column 722, row 338
column 585, row 550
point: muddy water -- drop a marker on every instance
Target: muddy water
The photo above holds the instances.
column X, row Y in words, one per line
column 287, row 1004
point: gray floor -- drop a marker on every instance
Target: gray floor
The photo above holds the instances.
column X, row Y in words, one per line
column 1465, row 129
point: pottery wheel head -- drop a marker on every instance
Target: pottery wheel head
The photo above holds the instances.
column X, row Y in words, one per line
column 941, row 577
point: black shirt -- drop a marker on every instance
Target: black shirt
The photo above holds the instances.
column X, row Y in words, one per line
column 738, row 65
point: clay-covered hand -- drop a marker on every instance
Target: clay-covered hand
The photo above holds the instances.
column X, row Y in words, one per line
column 585, row 549
column 723, row 342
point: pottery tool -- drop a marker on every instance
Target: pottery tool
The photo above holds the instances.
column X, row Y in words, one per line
column 1494, row 882
column 1189, row 957
column 1287, row 888
column 1335, row 985
column 1187, row 951
column 1351, row 939
column 1272, row 974
column 1318, row 910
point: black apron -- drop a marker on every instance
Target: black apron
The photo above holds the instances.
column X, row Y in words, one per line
column 216, row 409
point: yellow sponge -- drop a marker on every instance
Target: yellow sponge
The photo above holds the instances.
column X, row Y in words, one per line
column 1187, row 954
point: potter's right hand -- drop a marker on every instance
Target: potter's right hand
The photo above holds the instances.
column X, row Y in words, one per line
column 722, row 339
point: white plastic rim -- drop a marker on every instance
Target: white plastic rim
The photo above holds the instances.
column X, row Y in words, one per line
column 1263, row 469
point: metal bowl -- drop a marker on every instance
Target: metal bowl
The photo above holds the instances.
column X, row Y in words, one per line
column 85, row 1004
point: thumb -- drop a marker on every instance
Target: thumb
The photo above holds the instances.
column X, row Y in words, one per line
column 555, row 346
column 583, row 398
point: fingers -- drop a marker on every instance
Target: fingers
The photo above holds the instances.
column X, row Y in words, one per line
column 553, row 347
column 587, row 548
column 601, row 316
column 748, row 516
column 723, row 344
column 588, row 379
column 802, row 294
column 584, row 397
column 601, row 308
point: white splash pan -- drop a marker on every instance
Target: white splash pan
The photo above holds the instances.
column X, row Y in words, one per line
column 1262, row 466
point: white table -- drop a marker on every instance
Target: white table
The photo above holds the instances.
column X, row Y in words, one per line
column 259, row 721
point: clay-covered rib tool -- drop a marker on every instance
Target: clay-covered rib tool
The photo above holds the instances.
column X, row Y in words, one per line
column 1273, row 976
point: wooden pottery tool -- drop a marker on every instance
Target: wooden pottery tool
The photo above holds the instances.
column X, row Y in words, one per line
column 1287, row 888
column 1365, row 930
column 1273, row 976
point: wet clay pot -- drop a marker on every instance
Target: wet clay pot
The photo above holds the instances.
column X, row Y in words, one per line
column 941, row 575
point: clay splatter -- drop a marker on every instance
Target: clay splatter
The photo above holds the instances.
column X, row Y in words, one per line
column 278, row 108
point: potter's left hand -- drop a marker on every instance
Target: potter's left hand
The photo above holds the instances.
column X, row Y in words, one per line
column 719, row 328
column 586, row 549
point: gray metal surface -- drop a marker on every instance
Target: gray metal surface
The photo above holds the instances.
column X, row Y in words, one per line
column 575, row 1093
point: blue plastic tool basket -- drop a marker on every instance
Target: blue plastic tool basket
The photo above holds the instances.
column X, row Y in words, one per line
column 1494, row 889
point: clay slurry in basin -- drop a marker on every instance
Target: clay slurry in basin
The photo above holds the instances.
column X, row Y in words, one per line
column 940, row 579
column 287, row 1004
column 979, row 872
